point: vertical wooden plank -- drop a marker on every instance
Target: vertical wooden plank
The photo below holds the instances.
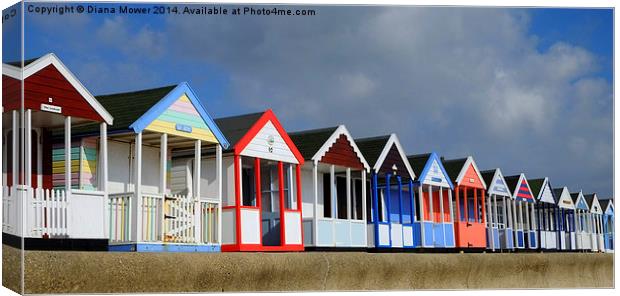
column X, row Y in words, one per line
column 137, row 208
column 281, row 189
column 68, row 153
column 315, row 189
column 458, row 206
column 484, row 217
column 15, row 150
column 237, row 172
column 218, row 174
column 349, row 195
column 28, row 148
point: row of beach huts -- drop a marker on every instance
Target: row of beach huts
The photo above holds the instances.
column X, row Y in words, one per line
column 151, row 170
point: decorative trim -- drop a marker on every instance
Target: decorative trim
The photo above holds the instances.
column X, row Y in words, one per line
column 386, row 149
column 46, row 60
column 268, row 116
column 183, row 88
column 341, row 130
column 427, row 166
column 470, row 160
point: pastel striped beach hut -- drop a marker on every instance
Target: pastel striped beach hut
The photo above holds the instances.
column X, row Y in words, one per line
column 567, row 209
column 144, row 213
column 64, row 197
column 499, row 211
column 524, row 212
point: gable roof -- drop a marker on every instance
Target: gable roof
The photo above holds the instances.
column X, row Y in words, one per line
column 235, row 127
column 514, row 182
column 372, row 147
column 376, row 149
column 456, row 169
column 608, row 206
column 32, row 66
column 313, row 144
column 538, row 189
column 577, row 197
column 421, row 165
column 135, row 110
column 595, row 206
column 241, row 129
column 563, row 198
column 491, row 178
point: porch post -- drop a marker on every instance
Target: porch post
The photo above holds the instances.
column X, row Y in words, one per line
column 421, row 205
column 299, row 200
column 67, row 155
column 332, row 187
column 484, row 214
column 411, row 201
column 137, row 200
column 421, row 218
column 349, row 193
column 465, row 205
column 476, row 215
column 374, row 210
column 495, row 214
column 388, row 197
column 15, row 156
column 442, row 216
column 218, row 177
column 197, row 161
column 364, row 218
column 28, row 148
column 282, row 207
column 237, row 173
column 197, row 171
column 163, row 159
column 400, row 199
column 364, row 205
column 458, row 206
column 450, row 204
column 505, row 214
column 103, row 178
column 431, row 206
column 315, row 187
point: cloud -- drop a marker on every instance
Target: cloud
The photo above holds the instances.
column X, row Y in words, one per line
column 460, row 81
column 144, row 42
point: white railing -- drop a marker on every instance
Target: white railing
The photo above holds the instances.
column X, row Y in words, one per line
column 152, row 216
column 179, row 223
column 50, row 213
column 170, row 219
column 119, row 206
column 209, row 217
column 47, row 212
column 8, row 211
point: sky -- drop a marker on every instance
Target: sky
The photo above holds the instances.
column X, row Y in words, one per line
column 525, row 90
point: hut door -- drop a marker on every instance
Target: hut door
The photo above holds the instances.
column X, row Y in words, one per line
column 270, row 204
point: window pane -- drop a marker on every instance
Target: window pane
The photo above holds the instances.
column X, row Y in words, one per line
column 327, row 193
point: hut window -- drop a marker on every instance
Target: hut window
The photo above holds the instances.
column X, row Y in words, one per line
column 357, row 199
column 500, row 215
column 270, row 186
column 248, row 179
column 290, row 202
column 341, row 197
column 327, row 193
column 369, row 201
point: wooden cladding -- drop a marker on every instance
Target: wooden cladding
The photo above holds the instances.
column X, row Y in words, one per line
column 43, row 85
column 341, row 153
